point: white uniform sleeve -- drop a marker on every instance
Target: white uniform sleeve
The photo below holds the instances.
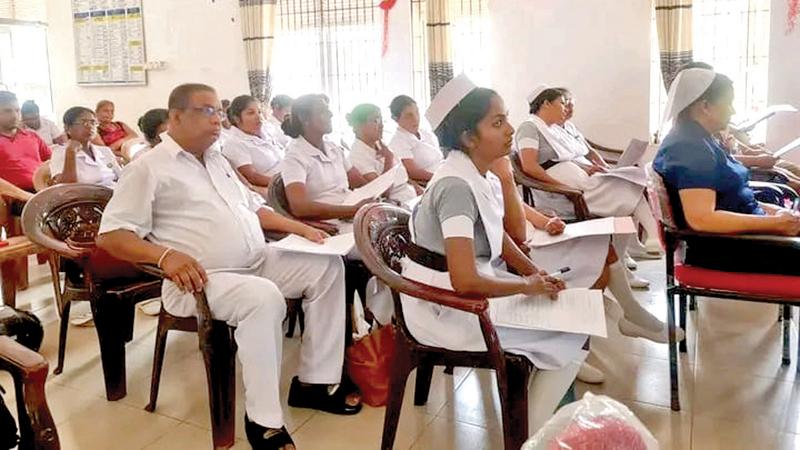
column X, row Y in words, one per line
column 57, row 160
column 401, row 147
column 293, row 171
column 458, row 226
column 236, row 153
column 131, row 206
column 110, row 156
column 363, row 162
column 527, row 136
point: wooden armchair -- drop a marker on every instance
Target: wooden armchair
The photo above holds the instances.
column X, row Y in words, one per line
column 609, row 154
column 382, row 235
column 219, row 355
column 29, row 370
column 530, row 184
column 14, row 254
column 688, row 281
column 65, row 219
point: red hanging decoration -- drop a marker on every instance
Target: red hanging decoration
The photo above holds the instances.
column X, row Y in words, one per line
column 794, row 12
column 386, row 6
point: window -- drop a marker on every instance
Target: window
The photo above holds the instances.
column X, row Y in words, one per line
column 24, row 69
column 469, row 21
column 732, row 36
column 330, row 46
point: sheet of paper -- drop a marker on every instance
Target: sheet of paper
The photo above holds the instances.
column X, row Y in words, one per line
column 594, row 227
column 750, row 123
column 338, row 245
column 632, row 174
column 377, row 186
column 787, row 148
column 575, row 311
column 633, row 154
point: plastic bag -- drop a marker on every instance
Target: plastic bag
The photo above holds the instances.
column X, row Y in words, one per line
column 596, row 422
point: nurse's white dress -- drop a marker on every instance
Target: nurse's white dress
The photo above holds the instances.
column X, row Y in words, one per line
column 440, row 326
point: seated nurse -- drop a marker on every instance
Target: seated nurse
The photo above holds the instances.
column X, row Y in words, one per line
column 459, row 222
column 255, row 155
column 317, row 174
column 370, row 155
column 417, row 148
column 81, row 161
column 709, row 189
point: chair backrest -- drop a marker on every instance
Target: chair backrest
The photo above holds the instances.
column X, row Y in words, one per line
column 276, row 196
column 41, row 178
column 660, row 203
column 65, row 218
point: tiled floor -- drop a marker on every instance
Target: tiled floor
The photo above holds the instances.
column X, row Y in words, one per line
column 735, row 393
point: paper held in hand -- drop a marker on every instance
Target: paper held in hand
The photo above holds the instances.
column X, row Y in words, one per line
column 594, row 227
column 794, row 145
column 575, row 311
column 633, row 154
column 375, row 188
column 751, row 122
column 338, row 245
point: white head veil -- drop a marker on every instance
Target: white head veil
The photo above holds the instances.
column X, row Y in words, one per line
column 536, row 92
column 687, row 87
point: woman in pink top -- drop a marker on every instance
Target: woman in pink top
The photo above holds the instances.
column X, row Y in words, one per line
column 110, row 133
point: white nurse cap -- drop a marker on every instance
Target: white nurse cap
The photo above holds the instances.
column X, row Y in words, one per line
column 537, row 91
column 687, row 87
column 448, row 98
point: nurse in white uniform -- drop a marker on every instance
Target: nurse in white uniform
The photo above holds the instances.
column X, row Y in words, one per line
column 80, row 161
column 417, row 148
column 256, row 156
column 460, row 218
column 181, row 208
column 549, row 154
column 370, row 155
column 280, row 108
column 317, row 174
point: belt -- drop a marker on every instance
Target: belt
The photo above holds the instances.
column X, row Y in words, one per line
column 427, row 258
column 548, row 164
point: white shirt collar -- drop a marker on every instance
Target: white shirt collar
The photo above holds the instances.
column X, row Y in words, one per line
column 171, row 147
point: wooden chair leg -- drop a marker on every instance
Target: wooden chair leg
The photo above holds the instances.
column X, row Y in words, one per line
column 518, row 373
column 682, row 312
column 22, row 274
column 9, row 277
column 787, row 325
column 111, row 332
column 164, row 325
column 63, row 326
column 675, row 401
column 422, row 386
column 219, row 358
column 401, row 368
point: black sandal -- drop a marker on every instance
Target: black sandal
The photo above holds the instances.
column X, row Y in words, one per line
column 321, row 397
column 263, row 438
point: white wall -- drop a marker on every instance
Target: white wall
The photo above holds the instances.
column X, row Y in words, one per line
column 784, row 78
column 599, row 49
column 200, row 40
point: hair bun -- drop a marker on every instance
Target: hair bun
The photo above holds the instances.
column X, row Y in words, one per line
column 290, row 127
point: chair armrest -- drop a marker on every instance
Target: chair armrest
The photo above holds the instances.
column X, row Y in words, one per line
column 20, row 360
column 151, row 269
column 474, row 305
column 782, row 241
column 575, row 196
column 602, row 148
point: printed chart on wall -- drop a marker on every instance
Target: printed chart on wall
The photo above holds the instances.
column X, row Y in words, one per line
column 109, row 42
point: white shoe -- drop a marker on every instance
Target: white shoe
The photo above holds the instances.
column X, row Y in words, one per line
column 150, row 307
column 82, row 320
column 637, row 253
column 630, row 329
column 630, row 263
column 636, row 282
column 590, row 374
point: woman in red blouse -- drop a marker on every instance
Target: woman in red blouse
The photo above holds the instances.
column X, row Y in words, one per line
column 110, row 133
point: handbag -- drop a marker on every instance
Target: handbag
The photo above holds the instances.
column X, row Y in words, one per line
column 369, row 364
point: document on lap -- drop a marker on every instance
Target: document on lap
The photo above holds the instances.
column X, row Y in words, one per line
column 577, row 311
column 392, row 177
column 338, row 245
column 594, row 227
column 633, row 154
column 631, row 174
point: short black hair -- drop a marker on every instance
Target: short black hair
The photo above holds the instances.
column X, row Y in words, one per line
column 464, row 118
column 302, row 108
column 150, row 122
column 280, row 101
column 399, row 104
column 238, row 105
column 179, row 97
column 29, row 107
column 7, row 97
column 547, row 95
column 72, row 114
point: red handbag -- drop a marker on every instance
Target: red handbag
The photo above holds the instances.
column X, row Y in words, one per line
column 369, row 364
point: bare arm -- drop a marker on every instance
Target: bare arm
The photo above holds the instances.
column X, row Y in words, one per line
column 514, row 213
column 699, row 209
column 761, row 161
column 273, row 221
column 516, row 259
column 9, row 190
column 69, row 173
column 60, row 139
column 355, row 179
column 415, row 172
column 529, row 157
column 369, row 176
column 253, row 176
column 302, row 207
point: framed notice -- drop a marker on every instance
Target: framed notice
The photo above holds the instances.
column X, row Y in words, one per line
column 109, row 42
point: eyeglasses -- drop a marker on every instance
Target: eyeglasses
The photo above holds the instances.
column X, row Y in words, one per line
column 209, row 111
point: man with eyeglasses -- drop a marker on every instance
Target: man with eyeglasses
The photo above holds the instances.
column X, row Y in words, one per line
column 182, row 207
column 21, row 151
